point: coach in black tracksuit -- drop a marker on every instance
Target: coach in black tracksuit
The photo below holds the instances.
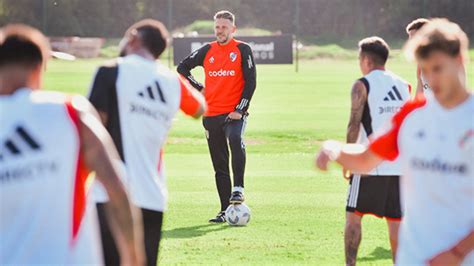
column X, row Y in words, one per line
column 230, row 81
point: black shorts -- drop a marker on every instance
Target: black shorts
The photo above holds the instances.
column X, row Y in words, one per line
column 152, row 222
column 376, row 195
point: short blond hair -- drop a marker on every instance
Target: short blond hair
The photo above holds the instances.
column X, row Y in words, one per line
column 225, row 14
column 438, row 35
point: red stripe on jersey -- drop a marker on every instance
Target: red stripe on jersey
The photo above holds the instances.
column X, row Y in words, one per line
column 409, row 88
column 386, row 146
column 79, row 200
column 160, row 160
column 189, row 103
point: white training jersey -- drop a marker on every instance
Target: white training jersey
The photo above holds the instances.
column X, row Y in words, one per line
column 43, row 210
column 141, row 97
column 436, row 150
column 386, row 94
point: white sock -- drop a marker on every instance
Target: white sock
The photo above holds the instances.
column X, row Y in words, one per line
column 238, row 189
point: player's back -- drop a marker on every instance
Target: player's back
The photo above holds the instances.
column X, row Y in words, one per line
column 386, row 94
column 41, row 179
column 148, row 96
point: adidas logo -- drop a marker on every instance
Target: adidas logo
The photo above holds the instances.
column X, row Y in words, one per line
column 153, row 92
column 249, row 62
column 393, row 95
column 15, row 145
column 194, row 54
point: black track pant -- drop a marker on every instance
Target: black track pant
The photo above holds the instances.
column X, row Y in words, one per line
column 222, row 134
column 152, row 221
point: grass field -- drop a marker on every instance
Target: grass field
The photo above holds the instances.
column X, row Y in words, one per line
column 298, row 213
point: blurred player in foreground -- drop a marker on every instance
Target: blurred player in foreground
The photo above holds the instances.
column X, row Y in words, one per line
column 434, row 139
column 48, row 142
column 375, row 98
column 137, row 99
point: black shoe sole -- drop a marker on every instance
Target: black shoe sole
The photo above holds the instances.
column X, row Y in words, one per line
column 215, row 222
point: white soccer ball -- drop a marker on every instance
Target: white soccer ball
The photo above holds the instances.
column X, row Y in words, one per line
column 237, row 214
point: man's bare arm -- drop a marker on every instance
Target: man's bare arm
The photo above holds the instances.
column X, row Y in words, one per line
column 103, row 117
column 456, row 254
column 99, row 153
column 465, row 246
column 354, row 157
column 358, row 101
column 356, row 160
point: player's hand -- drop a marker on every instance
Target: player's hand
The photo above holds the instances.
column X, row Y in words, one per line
column 235, row 116
column 445, row 258
column 346, row 174
column 322, row 160
column 330, row 151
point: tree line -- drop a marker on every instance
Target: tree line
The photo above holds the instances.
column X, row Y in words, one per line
column 326, row 19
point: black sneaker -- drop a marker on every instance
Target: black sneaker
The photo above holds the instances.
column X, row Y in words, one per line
column 237, row 197
column 220, row 218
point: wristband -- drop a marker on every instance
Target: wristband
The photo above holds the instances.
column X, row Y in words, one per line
column 332, row 149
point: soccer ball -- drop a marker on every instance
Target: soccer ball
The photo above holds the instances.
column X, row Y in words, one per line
column 237, row 214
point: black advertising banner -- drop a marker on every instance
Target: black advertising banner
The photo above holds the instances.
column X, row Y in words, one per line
column 277, row 49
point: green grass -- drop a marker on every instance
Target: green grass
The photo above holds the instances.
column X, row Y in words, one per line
column 298, row 213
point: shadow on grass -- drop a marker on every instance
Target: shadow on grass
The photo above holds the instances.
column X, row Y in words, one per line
column 378, row 253
column 194, row 231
